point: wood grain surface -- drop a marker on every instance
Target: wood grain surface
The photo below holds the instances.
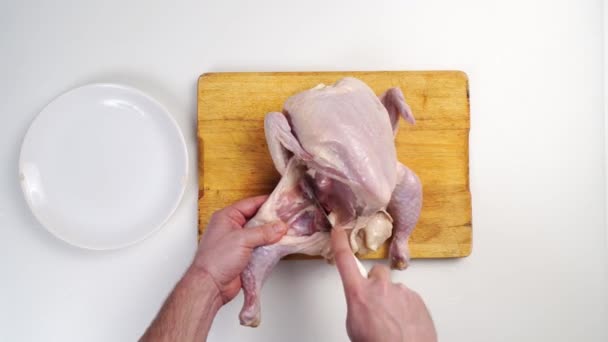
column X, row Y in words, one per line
column 234, row 161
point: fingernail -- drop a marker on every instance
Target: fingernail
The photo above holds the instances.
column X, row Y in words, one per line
column 278, row 227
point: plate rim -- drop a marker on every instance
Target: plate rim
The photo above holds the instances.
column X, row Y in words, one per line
column 183, row 182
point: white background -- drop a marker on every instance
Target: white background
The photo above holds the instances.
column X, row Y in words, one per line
column 539, row 266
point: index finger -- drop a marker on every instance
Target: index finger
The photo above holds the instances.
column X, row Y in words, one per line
column 345, row 260
column 249, row 206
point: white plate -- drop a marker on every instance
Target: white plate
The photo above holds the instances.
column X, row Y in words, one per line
column 103, row 166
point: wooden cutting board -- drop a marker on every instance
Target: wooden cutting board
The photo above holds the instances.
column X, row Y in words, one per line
column 234, row 161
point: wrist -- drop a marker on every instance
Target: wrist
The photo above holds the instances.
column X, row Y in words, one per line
column 206, row 285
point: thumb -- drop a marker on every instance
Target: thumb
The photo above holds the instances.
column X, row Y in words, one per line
column 266, row 234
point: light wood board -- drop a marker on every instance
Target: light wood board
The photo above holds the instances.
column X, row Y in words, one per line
column 234, row 161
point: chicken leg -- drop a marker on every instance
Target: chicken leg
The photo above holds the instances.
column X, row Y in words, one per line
column 290, row 203
column 404, row 207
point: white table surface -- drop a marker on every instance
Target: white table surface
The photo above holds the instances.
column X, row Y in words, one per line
column 539, row 266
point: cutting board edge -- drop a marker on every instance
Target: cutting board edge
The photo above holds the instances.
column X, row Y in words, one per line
column 211, row 74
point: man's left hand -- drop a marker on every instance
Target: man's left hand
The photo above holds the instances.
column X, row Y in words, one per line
column 225, row 248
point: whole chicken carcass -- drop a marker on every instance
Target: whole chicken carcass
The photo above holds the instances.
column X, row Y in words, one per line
column 340, row 139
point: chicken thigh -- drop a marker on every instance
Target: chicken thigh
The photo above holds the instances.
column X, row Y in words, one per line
column 337, row 142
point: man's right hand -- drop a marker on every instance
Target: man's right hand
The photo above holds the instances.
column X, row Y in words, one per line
column 378, row 309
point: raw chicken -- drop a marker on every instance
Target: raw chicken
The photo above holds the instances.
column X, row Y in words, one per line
column 339, row 139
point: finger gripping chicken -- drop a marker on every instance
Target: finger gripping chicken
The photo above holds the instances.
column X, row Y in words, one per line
column 342, row 137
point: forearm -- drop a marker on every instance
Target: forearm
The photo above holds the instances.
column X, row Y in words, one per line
column 188, row 312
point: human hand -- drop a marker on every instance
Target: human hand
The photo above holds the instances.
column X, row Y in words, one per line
column 226, row 247
column 378, row 309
